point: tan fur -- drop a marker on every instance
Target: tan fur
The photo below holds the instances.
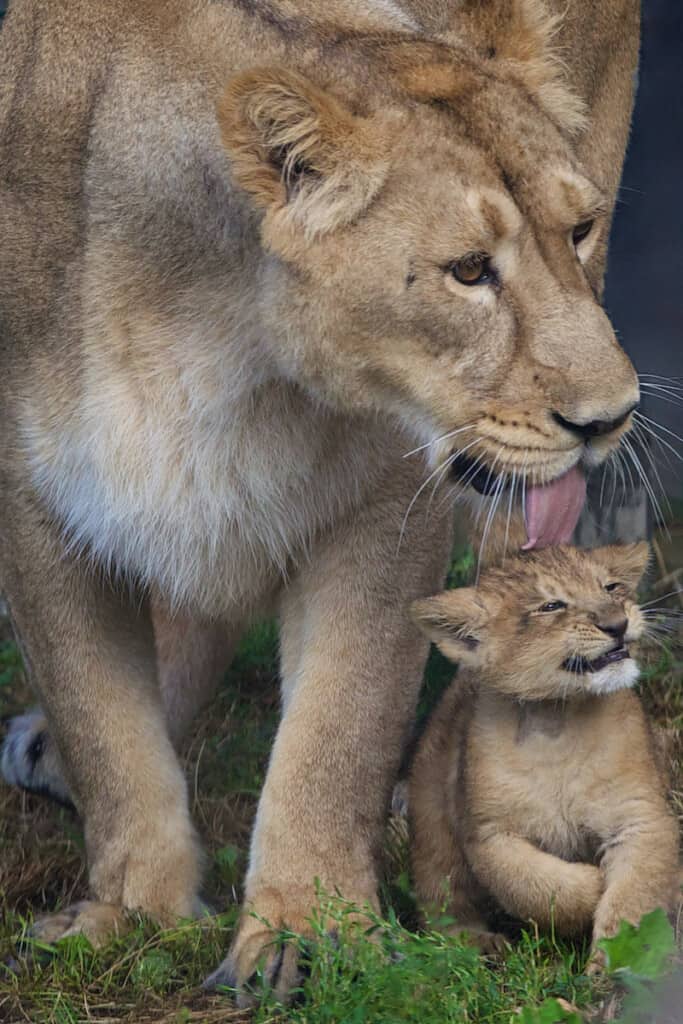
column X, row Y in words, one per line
column 227, row 312
column 535, row 789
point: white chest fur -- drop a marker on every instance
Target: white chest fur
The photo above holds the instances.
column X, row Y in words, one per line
column 194, row 472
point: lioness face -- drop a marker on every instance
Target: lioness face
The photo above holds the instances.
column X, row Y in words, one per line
column 435, row 264
column 552, row 625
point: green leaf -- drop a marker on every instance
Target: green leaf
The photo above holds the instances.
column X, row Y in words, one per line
column 550, row 1012
column 642, row 951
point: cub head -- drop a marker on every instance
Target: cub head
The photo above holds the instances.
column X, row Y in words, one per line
column 553, row 624
column 429, row 252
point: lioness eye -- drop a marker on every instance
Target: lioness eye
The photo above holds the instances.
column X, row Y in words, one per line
column 552, row 606
column 582, row 231
column 473, row 269
column 611, row 586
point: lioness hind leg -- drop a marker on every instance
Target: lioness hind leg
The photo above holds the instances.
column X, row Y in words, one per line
column 30, row 758
column 92, row 659
column 192, row 656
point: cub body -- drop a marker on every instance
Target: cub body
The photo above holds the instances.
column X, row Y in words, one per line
column 536, row 788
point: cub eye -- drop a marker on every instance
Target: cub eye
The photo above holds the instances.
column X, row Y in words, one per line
column 552, row 606
column 473, row 269
column 611, row 586
column 582, row 231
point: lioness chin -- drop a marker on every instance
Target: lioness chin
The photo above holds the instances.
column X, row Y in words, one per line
column 233, row 295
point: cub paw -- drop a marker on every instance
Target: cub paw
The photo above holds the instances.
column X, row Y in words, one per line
column 488, row 943
column 99, row 922
column 597, row 964
column 30, row 759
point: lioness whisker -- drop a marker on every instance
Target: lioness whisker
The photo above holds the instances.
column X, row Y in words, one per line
column 646, row 483
column 488, row 480
column 661, row 392
column 437, row 440
column 672, row 384
column 642, row 436
column 446, row 462
column 668, row 385
column 652, row 425
column 513, row 487
column 619, row 477
column 500, row 483
column 458, row 490
column 662, row 452
column 610, row 465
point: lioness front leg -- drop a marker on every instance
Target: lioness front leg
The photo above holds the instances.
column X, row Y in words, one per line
column 191, row 657
column 352, row 668
column 531, row 884
column 91, row 657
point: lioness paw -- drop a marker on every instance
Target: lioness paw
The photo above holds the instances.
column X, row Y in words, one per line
column 260, row 961
column 264, row 959
column 99, row 922
column 30, row 759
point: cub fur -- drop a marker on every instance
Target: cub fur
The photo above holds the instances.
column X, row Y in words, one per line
column 536, row 788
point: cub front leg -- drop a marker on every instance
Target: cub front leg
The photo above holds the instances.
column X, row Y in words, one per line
column 352, row 667
column 90, row 654
column 531, row 884
column 641, row 869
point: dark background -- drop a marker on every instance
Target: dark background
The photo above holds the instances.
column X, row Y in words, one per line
column 644, row 295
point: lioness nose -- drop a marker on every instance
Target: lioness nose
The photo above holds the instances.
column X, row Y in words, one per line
column 593, row 428
column 613, row 627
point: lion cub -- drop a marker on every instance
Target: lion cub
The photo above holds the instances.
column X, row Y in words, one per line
column 536, row 788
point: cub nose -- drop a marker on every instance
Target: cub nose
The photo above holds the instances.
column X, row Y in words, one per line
column 593, row 428
column 614, row 626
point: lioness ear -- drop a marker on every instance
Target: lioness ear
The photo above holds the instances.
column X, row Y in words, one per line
column 627, row 563
column 515, row 37
column 298, row 150
column 455, row 621
column 526, row 46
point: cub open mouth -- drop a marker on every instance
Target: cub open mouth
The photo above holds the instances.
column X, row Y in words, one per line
column 580, row 666
column 482, row 479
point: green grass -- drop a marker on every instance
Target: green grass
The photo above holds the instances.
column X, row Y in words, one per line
column 426, row 978
column 403, row 975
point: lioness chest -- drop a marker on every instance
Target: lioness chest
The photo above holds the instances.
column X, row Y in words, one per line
column 212, row 498
column 558, row 776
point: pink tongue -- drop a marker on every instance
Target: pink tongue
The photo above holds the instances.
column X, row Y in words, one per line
column 553, row 510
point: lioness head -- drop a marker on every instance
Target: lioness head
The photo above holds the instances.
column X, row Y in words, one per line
column 552, row 624
column 431, row 258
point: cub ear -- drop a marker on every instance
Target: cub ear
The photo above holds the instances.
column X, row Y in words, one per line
column 297, row 150
column 455, row 621
column 627, row 563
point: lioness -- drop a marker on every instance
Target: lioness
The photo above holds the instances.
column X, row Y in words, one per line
column 253, row 252
column 536, row 786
